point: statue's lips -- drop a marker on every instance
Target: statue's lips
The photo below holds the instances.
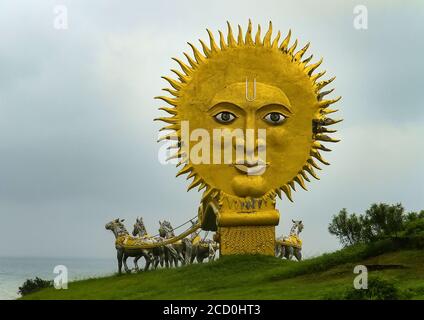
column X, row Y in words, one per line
column 250, row 168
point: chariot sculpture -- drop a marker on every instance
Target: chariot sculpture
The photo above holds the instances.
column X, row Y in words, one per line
column 164, row 249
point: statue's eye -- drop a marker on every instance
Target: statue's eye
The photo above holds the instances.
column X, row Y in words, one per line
column 225, row 117
column 274, row 118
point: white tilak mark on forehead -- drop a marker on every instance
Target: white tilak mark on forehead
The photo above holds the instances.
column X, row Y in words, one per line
column 254, row 90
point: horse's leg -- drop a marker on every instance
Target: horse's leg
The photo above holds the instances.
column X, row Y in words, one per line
column 147, row 258
column 298, row 254
column 156, row 255
column 136, row 262
column 206, row 254
column 211, row 253
column 171, row 250
column 199, row 258
column 182, row 254
column 286, row 252
column 188, row 251
column 124, row 260
column 119, row 255
column 180, row 257
column 290, row 252
column 277, row 250
column 171, row 261
column 162, row 259
column 172, row 255
column 154, row 258
column 162, row 255
column 166, row 256
column 177, row 257
column 200, row 255
column 215, row 252
column 193, row 254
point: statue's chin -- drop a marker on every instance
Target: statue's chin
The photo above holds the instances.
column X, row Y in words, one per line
column 248, row 186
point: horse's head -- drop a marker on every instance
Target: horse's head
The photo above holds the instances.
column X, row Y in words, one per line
column 116, row 226
column 165, row 229
column 139, row 228
column 298, row 224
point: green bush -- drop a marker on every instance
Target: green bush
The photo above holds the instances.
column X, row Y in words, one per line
column 378, row 289
column 32, row 285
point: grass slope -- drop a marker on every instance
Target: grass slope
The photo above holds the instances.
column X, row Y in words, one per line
column 258, row 277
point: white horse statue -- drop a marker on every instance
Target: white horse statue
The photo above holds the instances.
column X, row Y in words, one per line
column 291, row 245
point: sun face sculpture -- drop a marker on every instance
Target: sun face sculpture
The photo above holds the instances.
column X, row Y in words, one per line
column 251, row 83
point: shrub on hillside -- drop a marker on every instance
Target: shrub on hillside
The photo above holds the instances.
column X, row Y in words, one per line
column 378, row 289
column 32, row 285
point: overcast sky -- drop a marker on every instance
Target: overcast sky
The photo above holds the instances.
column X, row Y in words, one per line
column 78, row 144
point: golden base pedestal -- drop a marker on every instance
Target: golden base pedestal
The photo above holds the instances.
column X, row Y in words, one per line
column 245, row 226
column 247, row 240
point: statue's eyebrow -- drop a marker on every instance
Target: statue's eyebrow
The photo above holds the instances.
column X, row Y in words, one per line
column 226, row 103
column 269, row 105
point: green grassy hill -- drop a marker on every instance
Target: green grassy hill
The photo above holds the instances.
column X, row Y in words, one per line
column 328, row 276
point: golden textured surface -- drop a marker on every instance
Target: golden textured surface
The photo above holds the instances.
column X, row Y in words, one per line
column 285, row 82
column 247, row 240
column 217, row 81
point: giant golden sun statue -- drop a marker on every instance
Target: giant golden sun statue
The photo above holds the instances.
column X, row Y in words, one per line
column 249, row 82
